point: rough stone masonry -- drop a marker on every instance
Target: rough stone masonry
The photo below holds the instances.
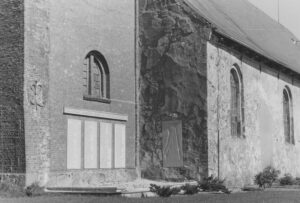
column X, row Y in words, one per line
column 173, row 87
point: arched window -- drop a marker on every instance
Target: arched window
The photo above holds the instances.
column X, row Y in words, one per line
column 288, row 116
column 97, row 77
column 237, row 103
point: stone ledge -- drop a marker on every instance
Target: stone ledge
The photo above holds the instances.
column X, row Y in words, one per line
column 95, row 114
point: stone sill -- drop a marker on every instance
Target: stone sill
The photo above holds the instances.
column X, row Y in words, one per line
column 95, row 114
column 98, row 99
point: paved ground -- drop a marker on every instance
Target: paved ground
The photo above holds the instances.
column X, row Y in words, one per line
column 259, row 197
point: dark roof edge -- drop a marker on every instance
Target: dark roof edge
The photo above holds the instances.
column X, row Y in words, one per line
column 262, row 54
column 260, row 58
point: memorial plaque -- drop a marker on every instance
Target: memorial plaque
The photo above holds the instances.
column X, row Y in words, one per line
column 172, row 144
column 120, row 146
column 74, row 144
column 105, row 145
column 90, row 144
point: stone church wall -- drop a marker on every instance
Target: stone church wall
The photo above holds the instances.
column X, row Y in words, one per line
column 173, row 88
column 264, row 143
column 12, row 142
column 184, row 95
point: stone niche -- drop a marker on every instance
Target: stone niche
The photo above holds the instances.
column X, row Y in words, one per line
column 173, row 88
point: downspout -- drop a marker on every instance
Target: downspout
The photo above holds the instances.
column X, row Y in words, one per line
column 217, row 63
column 218, row 110
column 137, row 95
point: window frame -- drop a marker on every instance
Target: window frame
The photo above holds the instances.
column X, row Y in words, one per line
column 104, row 76
column 288, row 128
column 239, row 126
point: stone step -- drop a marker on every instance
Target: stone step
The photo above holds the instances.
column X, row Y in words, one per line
column 136, row 188
column 84, row 190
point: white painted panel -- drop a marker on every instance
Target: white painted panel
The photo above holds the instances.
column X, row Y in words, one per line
column 105, row 145
column 90, row 144
column 74, row 144
column 120, row 146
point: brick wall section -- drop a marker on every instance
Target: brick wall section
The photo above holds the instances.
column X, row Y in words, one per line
column 12, row 146
column 76, row 28
column 36, row 90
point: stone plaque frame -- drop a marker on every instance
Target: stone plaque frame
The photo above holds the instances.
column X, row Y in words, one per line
column 172, row 144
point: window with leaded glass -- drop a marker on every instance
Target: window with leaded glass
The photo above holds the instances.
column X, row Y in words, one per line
column 236, row 100
column 288, row 116
column 97, row 77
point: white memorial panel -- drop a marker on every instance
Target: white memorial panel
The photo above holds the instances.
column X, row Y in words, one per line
column 90, row 144
column 105, row 145
column 74, row 144
column 120, row 146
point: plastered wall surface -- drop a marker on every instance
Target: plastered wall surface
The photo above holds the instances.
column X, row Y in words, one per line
column 76, row 28
column 264, row 143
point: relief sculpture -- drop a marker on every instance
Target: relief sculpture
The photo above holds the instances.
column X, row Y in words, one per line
column 36, row 97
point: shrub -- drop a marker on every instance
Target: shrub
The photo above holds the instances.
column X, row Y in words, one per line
column 287, row 179
column 266, row 177
column 9, row 189
column 297, row 181
column 213, row 184
column 34, row 190
column 164, row 191
column 190, row 189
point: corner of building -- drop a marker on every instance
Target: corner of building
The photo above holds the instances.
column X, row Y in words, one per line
column 12, row 140
column 36, row 88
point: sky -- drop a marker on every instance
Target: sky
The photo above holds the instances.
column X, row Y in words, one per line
column 289, row 12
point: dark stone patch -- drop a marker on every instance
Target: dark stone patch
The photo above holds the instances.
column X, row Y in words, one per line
column 173, row 86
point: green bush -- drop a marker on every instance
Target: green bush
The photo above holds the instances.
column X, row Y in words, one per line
column 287, row 179
column 266, row 177
column 164, row 191
column 190, row 189
column 212, row 184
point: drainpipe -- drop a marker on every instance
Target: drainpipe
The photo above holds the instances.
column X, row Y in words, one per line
column 218, row 101
column 137, row 76
column 218, row 111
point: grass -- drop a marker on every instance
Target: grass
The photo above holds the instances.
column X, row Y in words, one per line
column 250, row 197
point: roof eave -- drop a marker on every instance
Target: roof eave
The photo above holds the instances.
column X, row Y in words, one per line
column 258, row 52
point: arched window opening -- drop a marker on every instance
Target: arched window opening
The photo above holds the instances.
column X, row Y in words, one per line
column 97, row 77
column 237, row 103
column 288, row 116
